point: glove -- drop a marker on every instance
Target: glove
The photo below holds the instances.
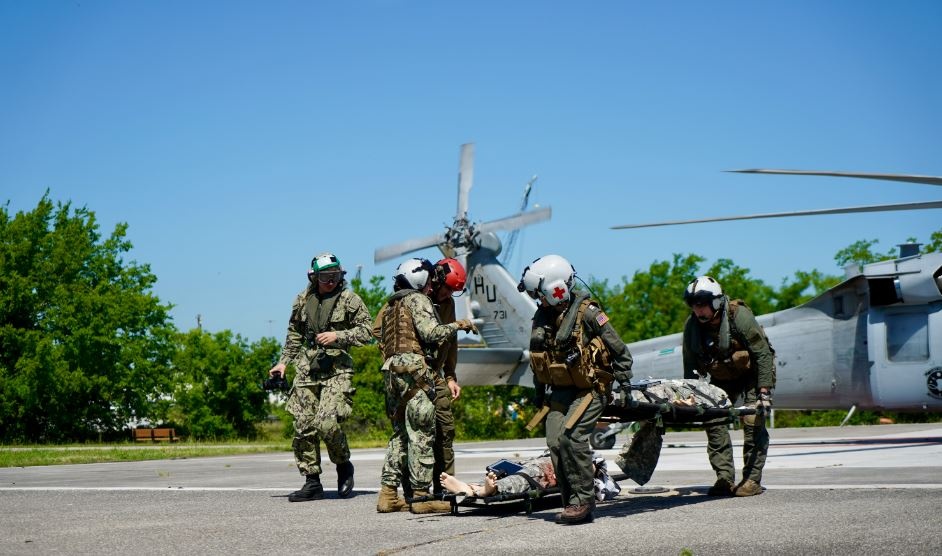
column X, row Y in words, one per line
column 624, row 392
column 466, row 325
column 764, row 405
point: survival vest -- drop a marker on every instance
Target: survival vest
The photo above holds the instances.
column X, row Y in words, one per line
column 398, row 329
column 737, row 361
column 575, row 363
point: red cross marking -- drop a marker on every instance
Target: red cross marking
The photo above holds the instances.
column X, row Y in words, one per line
column 558, row 292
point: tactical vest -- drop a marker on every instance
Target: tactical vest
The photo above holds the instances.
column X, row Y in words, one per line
column 737, row 361
column 573, row 364
column 398, row 334
column 318, row 311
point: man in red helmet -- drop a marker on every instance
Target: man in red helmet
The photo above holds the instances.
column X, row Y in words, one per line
column 448, row 279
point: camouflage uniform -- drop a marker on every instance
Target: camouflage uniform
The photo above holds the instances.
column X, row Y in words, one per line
column 541, row 473
column 739, row 360
column 322, row 394
column 409, row 375
column 569, row 447
column 445, row 362
column 638, row 457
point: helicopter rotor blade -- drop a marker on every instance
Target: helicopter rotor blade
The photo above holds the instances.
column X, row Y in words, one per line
column 515, row 221
column 911, row 178
column 465, row 179
column 398, row 249
column 872, row 208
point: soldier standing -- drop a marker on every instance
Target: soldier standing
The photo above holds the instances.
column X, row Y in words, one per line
column 409, row 330
column 448, row 279
column 576, row 354
column 723, row 339
column 326, row 320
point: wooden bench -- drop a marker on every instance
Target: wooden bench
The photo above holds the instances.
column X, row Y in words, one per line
column 155, row 435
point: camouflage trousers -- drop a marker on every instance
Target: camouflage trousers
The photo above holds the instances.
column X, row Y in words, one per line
column 755, row 447
column 569, row 448
column 444, row 447
column 411, row 444
column 318, row 409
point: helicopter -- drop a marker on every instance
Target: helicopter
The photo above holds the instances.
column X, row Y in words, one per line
column 874, row 341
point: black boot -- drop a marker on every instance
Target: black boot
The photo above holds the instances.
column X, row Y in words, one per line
column 312, row 490
column 345, row 479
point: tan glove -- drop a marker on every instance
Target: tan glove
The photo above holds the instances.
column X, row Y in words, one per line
column 466, row 325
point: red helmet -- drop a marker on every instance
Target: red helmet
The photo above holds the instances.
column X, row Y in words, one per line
column 451, row 273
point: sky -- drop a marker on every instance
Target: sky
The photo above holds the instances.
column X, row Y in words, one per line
column 239, row 139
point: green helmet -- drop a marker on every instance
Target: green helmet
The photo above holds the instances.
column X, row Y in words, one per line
column 325, row 261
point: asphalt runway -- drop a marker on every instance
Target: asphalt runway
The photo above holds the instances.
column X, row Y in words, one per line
column 853, row 490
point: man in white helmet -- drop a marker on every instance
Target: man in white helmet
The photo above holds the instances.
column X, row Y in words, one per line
column 326, row 320
column 723, row 339
column 409, row 330
column 575, row 355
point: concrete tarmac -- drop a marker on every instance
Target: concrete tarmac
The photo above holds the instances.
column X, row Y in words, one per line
column 852, row 490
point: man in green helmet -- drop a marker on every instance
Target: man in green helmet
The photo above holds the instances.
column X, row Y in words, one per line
column 326, row 320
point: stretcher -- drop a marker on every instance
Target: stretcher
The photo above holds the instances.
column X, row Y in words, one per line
column 662, row 412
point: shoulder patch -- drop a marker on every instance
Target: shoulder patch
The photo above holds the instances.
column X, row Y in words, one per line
column 601, row 318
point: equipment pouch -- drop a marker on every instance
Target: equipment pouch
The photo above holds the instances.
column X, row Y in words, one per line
column 741, row 360
column 723, row 371
column 559, row 375
column 539, row 362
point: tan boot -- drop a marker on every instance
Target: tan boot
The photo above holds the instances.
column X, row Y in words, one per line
column 389, row 500
column 431, row 507
column 748, row 488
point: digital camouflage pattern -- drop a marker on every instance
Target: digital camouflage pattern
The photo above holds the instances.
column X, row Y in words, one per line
column 411, row 444
column 350, row 319
column 321, row 397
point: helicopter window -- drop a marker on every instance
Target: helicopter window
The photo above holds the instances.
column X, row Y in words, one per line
column 907, row 337
column 884, row 291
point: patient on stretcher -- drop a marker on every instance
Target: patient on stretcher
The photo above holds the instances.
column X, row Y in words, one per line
column 536, row 473
column 638, row 457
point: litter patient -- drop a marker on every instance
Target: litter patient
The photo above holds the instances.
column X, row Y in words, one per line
column 638, row 457
column 536, row 473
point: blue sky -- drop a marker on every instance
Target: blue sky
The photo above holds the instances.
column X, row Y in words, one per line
column 237, row 139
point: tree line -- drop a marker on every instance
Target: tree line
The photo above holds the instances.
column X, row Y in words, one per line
column 87, row 349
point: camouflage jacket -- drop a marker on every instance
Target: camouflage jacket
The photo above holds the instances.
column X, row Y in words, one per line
column 429, row 330
column 349, row 318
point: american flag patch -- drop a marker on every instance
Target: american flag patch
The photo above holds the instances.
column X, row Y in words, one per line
column 602, row 318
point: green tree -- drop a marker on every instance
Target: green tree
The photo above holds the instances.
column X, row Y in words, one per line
column 935, row 243
column 84, row 344
column 217, row 378
column 373, row 296
column 861, row 253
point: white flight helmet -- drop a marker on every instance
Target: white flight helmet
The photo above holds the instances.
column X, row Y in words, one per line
column 413, row 274
column 702, row 290
column 550, row 277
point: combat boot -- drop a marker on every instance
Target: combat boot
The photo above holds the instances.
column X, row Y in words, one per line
column 345, row 479
column 430, row 507
column 721, row 487
column 389, row 500
column 312, row 490
column 748, row 488
column 576, row 513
